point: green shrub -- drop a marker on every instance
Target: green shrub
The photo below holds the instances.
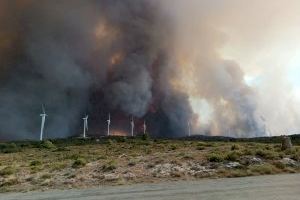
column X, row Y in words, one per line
column 35, row 163
column 188, row 157
column 7, row 171
column 235, row 147
column 249, row 152
column 61, row 149
column 110, row 142
column 173, row 147
column 73, row 156
column 200, row 148
column 80, row 162
column 279, row 165
column 131, row 163
column 296, row 156
column 201, row 144
column 47, row 145
column 9, row 148
column 46, row 176
column 215, row 158
column 145, row 137
column 58, row 166
column 263, row 169
column 267, row 154
column 110, row 166
column 9, row 182
column 232, row 156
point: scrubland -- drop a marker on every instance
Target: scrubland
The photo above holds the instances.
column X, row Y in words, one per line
column 79, row 163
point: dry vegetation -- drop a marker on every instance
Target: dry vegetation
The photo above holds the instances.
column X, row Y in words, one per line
column 76, row 163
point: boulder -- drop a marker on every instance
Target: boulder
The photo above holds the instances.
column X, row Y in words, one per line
column 289, row 162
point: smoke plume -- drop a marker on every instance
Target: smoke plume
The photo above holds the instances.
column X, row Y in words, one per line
column 144, row 59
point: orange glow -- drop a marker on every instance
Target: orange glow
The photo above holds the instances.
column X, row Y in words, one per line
column 118, row 133
column 104, row 32
column 116, row 58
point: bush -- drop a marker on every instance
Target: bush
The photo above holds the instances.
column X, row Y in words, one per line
column 235, row 147
column 58, row 166
column 215, row 158
column 47, row 145
column 10, row 182
column 233, row 156
column 61, row 149
column 131, row 163
column 248, row 152
column 110, row 166
column 201, row 144
column 263, row 169
column 9, row 148
column 7, row 171
column 35, row 163
column 46, row 176
column 145, row 137
column 296, row 156
column 267, row 154
column 279, row 165
column 110, row 142
column 200, row 148
column 173, row 147
column 80, row 162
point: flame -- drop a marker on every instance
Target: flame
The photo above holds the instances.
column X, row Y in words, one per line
column 118, row 133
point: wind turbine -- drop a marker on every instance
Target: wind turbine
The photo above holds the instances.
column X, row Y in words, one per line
column 43, row 115
column 189, row 127
column 85, row 125
column 145, row 127
column 108, row 124
column 132, row 125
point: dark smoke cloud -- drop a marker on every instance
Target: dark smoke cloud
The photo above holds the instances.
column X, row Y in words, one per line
column 97, row 57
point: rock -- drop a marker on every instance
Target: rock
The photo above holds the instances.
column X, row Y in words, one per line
column 289, row 162
column 129, row 176
column 232, row 165
column 193, row 169
column 286, row 143
column 256, row 160
column 111, row 177
column 250, row 160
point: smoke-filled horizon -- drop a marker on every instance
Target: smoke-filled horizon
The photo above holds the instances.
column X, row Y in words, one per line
column 157, row 61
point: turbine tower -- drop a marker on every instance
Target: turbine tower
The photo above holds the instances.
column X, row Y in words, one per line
column 189, row 127
column 108, row 124
column 132, row 125
column 85, row 125
column 43, row 116
column 145, row 127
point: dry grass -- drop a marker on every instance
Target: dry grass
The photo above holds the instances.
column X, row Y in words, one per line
column 78, row 163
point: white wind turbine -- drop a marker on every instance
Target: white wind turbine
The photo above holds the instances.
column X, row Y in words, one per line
column 189, row 128
column 43, row 115
column 85, row 125
column 132, row 126
column 145, row 127
column 108, row 125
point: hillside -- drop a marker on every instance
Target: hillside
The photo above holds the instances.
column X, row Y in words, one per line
column 78, row 163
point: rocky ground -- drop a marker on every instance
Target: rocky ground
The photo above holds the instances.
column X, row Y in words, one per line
column 115, row 161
